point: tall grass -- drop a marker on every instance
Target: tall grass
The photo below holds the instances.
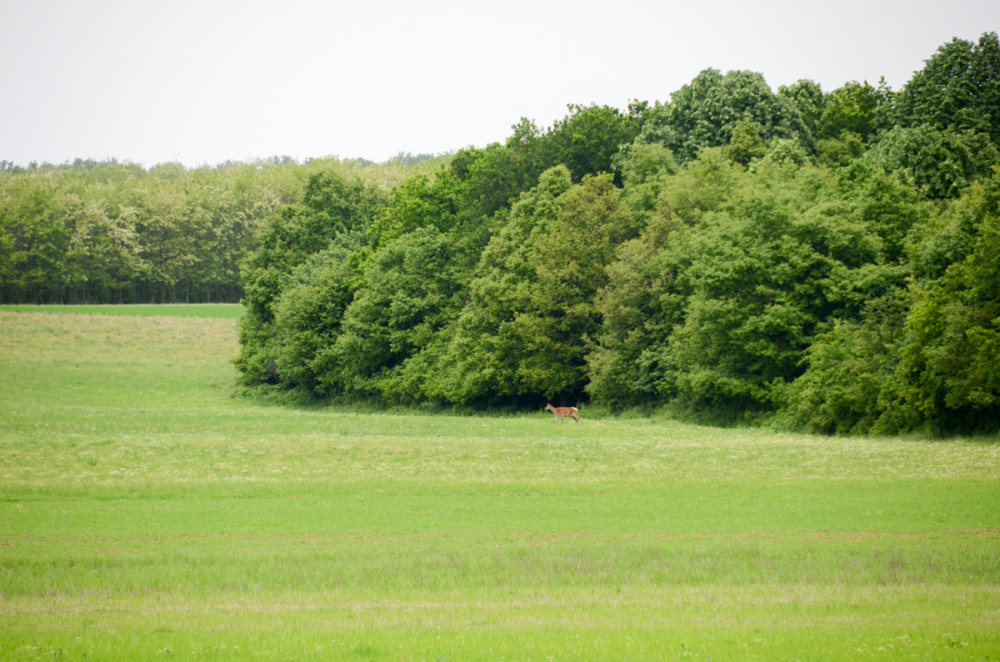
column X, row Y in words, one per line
column 149, row 510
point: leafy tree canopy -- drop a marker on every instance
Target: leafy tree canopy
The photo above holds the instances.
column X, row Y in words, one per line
column 959, row 88
column 705, row 113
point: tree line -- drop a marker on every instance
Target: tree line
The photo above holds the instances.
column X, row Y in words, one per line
column 109, row 232
column 826, row 261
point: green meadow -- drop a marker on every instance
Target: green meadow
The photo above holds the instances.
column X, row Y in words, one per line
column 152, row 509
column 224, row 311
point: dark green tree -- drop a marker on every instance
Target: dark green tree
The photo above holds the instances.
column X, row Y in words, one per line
column 950, row 364
column 840, row 151
column 857, row 109
column 940, row 163
column 959, row 87
column 587, row 140
column 764, row 279
column 524, row 332
column 412, row 291
column 850, row 383
column 640, row 305
column 307, row 322
column 808, row 99
column 705, row 112
column 335, row 212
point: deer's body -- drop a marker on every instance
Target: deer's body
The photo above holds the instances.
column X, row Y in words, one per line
column 560, row 412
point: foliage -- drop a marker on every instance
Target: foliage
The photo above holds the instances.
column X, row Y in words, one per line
column 858, row 109
column 109, row 232
column 645, row 169
column 940, row 163
column 588, row 139
column 808, row 99
column 639, row 306
column 749, row 283
column 705, row 113
column 412, row 291
column 419, row 202
column 336, row 213
column 821, row 260
column 958, row 88
column 840, row 151
column 524, row 330
column 308, row 317
column 849, row 384
column 949, row 362
column 745, row 145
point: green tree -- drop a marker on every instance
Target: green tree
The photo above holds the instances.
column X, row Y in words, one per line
column 645, row 168
column 950, row 364
column 307, row 321
column 492, row 177
column 850, row 383
column 959, row 87
column 587, row 140
column 764, row 279
column 525, row 330
column 702, row 186
column 419, row 202
column 858, row 109
column 412, row 290
column 335, row 212
column 746, row 143
column 35, row 236
column 940, row 163
column 808, row 99
column 840, row 151
column 712, row 307
column 705, row 112
column 639, row 306
column 888, row 205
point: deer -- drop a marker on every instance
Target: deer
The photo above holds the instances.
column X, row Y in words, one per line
column 560, row 412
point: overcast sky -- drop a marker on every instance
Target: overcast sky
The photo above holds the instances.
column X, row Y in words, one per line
column 205, row 81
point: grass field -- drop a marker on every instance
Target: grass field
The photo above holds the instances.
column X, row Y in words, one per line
column 149, row 509
column 224, row 311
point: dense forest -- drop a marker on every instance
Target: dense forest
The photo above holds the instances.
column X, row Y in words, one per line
column 825, row 261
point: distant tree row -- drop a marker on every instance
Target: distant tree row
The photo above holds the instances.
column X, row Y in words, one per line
column 827, row 261
column 110, row 232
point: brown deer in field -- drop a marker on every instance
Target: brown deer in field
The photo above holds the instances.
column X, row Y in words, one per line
column 563, row 411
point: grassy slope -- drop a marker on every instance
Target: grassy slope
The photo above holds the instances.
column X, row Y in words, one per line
column 146, row 505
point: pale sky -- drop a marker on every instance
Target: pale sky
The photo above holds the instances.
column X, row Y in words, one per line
column 205, row 81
